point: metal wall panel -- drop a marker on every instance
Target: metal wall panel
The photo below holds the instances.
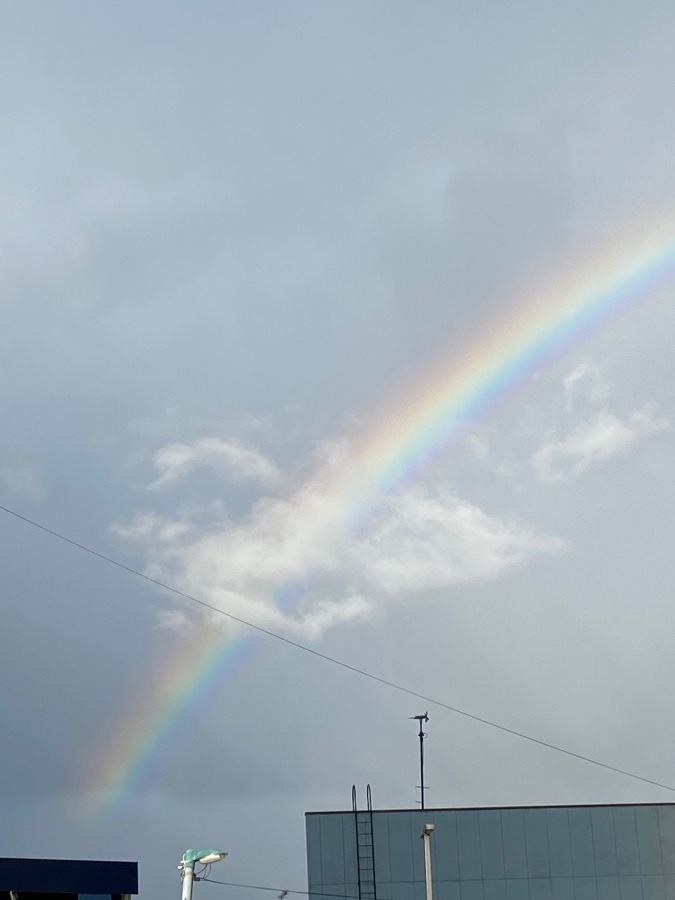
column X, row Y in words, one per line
column 513, row 835
column 491, row 844
column 559, row 843
column 581, row 839
column 444, row 851
column 625, row 835
column 536, row 844
column 604, row 842
column 649, row 841
column 468, row 846
column 666, row 817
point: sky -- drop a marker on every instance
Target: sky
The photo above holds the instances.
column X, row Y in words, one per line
column 245, row 250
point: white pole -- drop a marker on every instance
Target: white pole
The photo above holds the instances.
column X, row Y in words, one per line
column 426, row 837
column 188, row 872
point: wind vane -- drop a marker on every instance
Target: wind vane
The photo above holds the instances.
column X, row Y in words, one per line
column 421, row 718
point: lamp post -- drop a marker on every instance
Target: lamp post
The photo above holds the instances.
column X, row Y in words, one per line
column 187, row 866
column 426, row 837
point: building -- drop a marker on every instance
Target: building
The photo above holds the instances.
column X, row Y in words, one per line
column 618, row 852
column 67, row 879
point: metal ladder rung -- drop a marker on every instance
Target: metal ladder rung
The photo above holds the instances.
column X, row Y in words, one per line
column 365, row 849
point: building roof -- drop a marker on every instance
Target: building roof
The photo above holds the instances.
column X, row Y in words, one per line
column 440, row 809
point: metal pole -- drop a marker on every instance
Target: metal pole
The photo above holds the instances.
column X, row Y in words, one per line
column 188, row 871
column 426, row 837
column 422, row 769
column 422, row 735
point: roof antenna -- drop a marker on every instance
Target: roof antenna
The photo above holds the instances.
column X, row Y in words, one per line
column 422, row 718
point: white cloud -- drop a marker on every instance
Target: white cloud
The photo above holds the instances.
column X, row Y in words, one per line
column 295, row 565
column 602, row 437
column 174, row 620
column 432, row 540
column 148, row 528
column 231, row 457
column 585, row 379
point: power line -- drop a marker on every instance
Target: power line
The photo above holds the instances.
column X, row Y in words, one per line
column 333, row 660
column 284, row 891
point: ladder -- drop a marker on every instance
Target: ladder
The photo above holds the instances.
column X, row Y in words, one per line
column 365, row 849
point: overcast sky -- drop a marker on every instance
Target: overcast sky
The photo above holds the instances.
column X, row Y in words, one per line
column 231, row 236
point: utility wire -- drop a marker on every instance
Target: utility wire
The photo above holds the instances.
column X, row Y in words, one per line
column 333, row 660
column 284, row 891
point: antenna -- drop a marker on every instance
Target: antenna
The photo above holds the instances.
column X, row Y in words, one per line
column 422, row 718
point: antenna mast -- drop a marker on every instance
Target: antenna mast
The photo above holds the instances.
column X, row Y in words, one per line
column 422, row 718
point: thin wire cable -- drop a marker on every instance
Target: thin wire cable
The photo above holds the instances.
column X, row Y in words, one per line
column 333, row 660
column 259, row 887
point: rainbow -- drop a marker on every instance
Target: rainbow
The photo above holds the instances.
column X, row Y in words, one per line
column 421, row 422
column 409, row 435
column 179, row 681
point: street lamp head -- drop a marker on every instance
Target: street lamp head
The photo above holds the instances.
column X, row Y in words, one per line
column 187, row 867
column 428, row 828
column 190, row 857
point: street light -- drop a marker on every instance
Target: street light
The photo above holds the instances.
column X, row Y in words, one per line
column 187, row 866
column 426, row 835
